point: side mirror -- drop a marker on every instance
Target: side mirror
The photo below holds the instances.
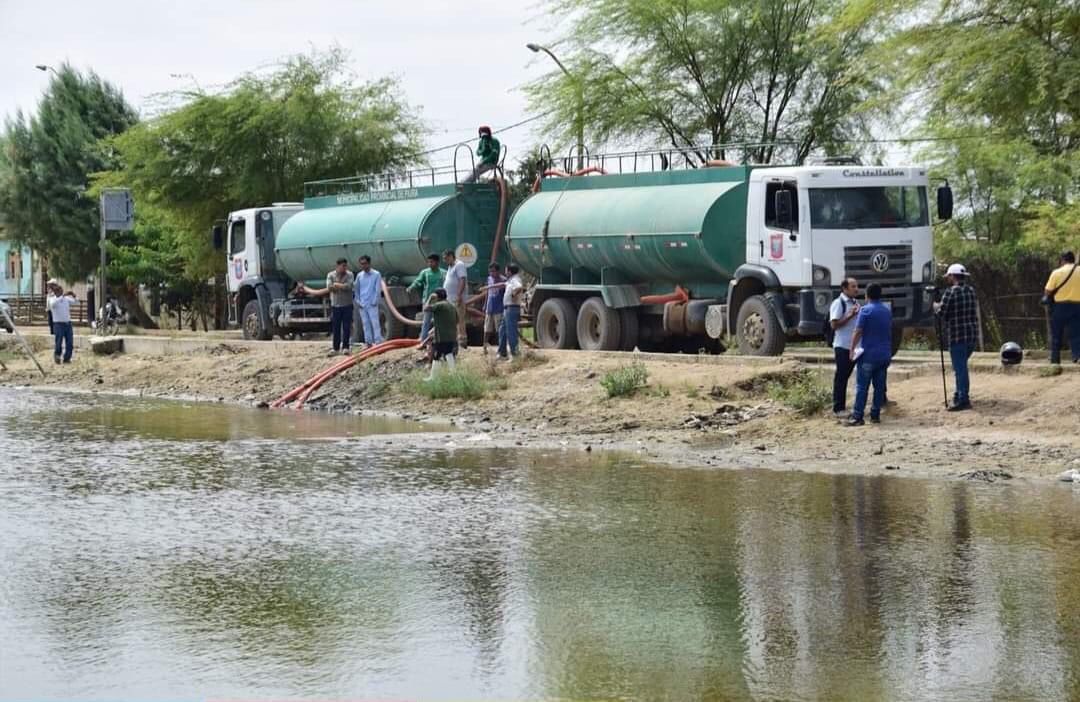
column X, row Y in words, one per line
column 944, row 202
column 218, row 236
column 784, row 218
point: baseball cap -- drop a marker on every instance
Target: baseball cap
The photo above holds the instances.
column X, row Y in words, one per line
column 956, row 269
column 52, row 281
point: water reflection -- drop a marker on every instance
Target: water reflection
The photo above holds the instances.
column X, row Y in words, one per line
column 156, row 566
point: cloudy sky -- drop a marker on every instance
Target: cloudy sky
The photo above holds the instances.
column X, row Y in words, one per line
column 463, row 62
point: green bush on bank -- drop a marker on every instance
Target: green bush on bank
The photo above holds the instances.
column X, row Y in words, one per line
column 461, row 383
column 625, row 380
column 804, row 392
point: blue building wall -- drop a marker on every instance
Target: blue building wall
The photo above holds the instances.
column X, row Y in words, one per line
column 23, row 282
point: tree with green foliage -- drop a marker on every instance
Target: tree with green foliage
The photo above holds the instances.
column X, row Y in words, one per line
column 695, row 75
column 999, row 86
column 259, row 140
column 44, row 186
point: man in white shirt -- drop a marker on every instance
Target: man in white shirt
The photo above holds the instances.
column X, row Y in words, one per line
column 508, row 331
column 456, row 285
column 59, row 304
column 842, row 315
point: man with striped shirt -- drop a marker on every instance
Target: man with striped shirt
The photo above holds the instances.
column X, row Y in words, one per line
column 959, row 313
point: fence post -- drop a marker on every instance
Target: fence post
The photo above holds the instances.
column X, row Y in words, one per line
column 978, row 316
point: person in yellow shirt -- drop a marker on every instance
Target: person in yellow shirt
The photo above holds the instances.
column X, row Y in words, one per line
column 1063, row 290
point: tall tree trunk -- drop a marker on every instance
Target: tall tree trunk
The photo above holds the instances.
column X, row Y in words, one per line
column 130, row 301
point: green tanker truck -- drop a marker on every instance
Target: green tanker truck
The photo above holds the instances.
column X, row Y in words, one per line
column 270, row 249
column 685, row 258
column 669, row 259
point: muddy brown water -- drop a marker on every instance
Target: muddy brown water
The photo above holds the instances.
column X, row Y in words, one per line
column 158, row 550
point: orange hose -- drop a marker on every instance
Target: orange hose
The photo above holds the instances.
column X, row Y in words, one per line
column 304, row 391
column 394, row 310
column 679, row 295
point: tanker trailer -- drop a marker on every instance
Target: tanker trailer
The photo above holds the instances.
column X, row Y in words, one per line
column 270, row 249
column 688, row 258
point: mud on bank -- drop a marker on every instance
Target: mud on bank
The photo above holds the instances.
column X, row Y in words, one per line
column 725, row 415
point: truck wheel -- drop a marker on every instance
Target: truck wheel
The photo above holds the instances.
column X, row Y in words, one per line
column 628, row 318
column 598, row 326
column 758, row 328
column 392, row 327
column 252, row 324
column 556, row 324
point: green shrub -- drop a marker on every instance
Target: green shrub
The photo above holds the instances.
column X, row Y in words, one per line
column 625, row 380
column 804, row 393
column 465, row 384
column 1050, row 371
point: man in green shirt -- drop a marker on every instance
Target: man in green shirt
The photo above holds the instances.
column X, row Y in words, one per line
column 487, row 153
column 444, row 317
column 427, row 282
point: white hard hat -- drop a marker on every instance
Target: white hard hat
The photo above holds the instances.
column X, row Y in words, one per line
column 51, row 281
column 956, row 269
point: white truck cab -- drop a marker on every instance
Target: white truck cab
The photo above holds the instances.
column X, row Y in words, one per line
column 248, row 239
column 809, row 227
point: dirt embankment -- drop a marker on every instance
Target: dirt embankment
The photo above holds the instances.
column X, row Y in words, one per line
column 694, row 414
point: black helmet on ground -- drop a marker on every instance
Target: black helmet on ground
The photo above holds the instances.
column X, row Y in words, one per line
column 1011, row 354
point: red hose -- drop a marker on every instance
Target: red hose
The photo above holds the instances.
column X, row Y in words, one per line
column 394, row 310
column 502, row 215
column 679, row 295
column 303, row 392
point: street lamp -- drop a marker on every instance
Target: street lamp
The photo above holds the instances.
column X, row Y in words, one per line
column 579, row 120
column 43, row 68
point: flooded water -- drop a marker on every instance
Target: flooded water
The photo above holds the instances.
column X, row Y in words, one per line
column 166, row 551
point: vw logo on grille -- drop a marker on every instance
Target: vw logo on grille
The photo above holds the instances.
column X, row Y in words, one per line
column 880, row 261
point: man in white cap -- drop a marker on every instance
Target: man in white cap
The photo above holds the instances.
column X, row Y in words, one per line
column 959, row 313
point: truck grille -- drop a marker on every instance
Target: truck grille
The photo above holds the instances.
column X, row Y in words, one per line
column 895, row 281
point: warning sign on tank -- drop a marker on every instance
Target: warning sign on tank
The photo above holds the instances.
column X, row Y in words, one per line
column 466, row 253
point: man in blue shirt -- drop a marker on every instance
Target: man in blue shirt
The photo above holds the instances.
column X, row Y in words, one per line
column 493, row 307
column 368, row 290
column 871, row 348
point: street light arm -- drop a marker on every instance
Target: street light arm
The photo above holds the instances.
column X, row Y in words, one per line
column 536, row 48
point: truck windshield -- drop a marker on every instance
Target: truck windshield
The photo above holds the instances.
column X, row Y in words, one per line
column 868, row 208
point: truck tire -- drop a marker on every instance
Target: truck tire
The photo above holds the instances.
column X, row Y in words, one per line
column 897, row 339
column 251, row 323
column 628, row 318
column 556, row 324
column 392, row 327
column 758, row 328
column 599, row 327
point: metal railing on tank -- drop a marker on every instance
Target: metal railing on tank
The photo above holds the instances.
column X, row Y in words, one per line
column 653, row 160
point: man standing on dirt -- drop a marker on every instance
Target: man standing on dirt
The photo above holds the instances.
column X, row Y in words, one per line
column 457, row 287
column 444, row 328
column 368, row 291
column 493, row 306
column 842, row 315
column 59, row 304
column 427, row 282
column 339, row 286
column 959, row 313
column 508, row 332
column 871, row 348
column 1063, row 293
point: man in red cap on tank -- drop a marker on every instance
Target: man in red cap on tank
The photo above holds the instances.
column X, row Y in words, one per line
column 487, row 153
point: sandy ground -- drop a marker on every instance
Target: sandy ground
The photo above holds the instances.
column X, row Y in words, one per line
column 690, row 414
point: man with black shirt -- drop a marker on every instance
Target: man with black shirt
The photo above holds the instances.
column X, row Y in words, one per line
column 959, row 312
